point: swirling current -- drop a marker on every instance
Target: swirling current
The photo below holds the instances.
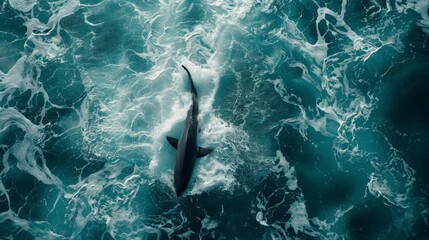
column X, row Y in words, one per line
column 317, row 111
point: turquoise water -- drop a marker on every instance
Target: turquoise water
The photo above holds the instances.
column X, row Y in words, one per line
column 317, row 111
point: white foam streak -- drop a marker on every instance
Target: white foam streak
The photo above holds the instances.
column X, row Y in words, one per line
column 299, row 218
column 284, row 167
column 14, row 78
column 25, row 151
column 22, row 5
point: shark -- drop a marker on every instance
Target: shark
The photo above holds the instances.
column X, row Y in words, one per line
column 187, row 149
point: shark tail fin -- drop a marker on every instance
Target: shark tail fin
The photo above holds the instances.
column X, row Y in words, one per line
column 202, row 152
column 190, row 79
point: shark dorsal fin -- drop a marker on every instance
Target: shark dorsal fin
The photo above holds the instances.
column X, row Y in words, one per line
column 173, row 141
column 203, row 152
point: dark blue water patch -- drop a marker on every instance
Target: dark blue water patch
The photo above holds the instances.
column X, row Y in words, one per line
column 8, row 228
column 17, row 99
column 63, row 84
column 91, row 2
column 228, row 85
column 27, row 196
column 304, row 14
column 109, row 39
column 404, row 106
column 153, row 202
column 106, row 39
column 74, row 25
column 236, row 221
column 4, row 205
column 107, row 35
column 340, row 188
column 60, row 120
column 252, row 104
column 287, row 73
column 363, row 13
column 409, row 98
column 265, row 107
column 229, row 94
column 254, row 172
column 290, row 144
column 230, row 211
column 252, row 88
column 369, row 75
column 305, row 92
column 195, row 12
column 159, row 197
column 36, row 106
column 370, row 219
column 277, row 208
column 12, row 35
column 324, row 191
column 408, row 108
column 136, row 62
column 91, row 167
column 59, row 213
column 420, row 229
column 414, row 151
column 317, row 150
column 10, row 135
column 55, row 115
column 41, row 201
column 63, row 146
column 322, row 183
column 27, row 103
column 279, row 198
column 67, row 164
column 10, row 52
column 325, row 28
column 20, row 186
column 11, row 21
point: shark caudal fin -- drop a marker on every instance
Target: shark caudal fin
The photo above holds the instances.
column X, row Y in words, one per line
column 193, row 90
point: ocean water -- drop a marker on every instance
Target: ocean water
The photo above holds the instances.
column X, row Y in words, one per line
column 317, row 111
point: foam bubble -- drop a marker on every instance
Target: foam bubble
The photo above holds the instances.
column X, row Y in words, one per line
column 299, row 218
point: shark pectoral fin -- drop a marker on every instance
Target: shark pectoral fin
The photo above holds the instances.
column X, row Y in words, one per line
column 203, row 152
column 173, row 141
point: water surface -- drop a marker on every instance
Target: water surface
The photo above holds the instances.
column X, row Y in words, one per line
column 317, row 111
